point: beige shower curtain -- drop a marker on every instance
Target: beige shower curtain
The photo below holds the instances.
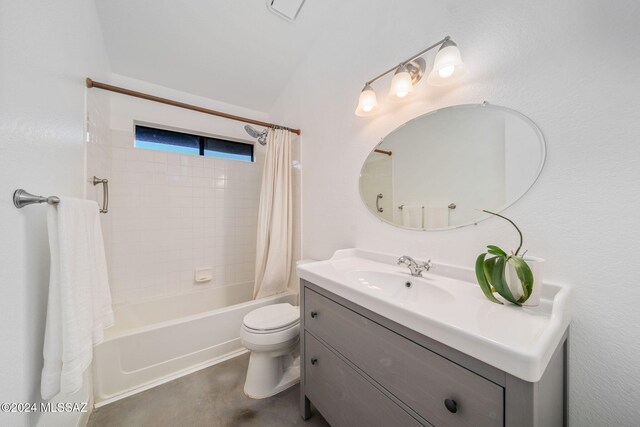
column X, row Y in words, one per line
column 273, row 249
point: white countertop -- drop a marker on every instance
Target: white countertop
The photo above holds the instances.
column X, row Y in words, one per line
column 447, row 305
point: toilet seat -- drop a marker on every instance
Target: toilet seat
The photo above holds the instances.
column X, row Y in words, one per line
column 272, row 318
column 271, row 331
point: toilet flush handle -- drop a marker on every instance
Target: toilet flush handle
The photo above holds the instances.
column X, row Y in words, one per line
column 314, row 314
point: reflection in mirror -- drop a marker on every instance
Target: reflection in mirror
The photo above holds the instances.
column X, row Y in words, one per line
column 433, row 172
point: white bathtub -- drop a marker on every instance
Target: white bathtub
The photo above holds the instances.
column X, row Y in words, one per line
column 156, row 341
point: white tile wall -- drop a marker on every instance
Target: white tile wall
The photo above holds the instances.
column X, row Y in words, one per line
column 169, row 213
column 377, row 178
column 172, row 213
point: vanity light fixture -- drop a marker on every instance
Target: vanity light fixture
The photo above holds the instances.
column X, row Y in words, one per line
column 448, row 67
column 368, row 102
column 401, row 84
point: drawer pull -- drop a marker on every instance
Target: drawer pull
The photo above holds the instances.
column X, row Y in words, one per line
column 314, row 360
column 451, row 405
column 314, row 314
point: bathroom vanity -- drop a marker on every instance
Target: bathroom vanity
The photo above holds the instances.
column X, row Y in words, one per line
column 382, row 348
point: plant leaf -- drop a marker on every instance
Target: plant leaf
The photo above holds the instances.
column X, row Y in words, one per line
column 495, row 250
column 496, row 253
column 482, row 280
column 488, row 270
column 525, row 275
column 499, row 282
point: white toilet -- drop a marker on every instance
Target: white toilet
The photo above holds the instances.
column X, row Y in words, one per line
column 272, row 334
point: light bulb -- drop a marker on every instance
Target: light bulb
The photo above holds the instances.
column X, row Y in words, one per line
column 401, row 84
column 401, row 92
column 447, row 66
column 446, row 71
column 367, row 102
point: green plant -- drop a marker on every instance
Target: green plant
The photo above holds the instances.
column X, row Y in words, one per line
column 490, row 272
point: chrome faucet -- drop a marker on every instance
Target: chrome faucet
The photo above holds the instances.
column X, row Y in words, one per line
column 416, row 268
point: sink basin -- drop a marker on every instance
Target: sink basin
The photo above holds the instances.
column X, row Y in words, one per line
column 401, row 288
column 448, row 306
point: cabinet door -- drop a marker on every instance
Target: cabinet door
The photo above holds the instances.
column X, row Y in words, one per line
column 344, row 397
column 442, row 392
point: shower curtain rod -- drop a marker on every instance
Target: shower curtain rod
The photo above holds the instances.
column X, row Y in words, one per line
column 117, row 89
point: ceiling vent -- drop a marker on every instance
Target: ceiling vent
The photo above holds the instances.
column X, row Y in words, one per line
column 287, row 9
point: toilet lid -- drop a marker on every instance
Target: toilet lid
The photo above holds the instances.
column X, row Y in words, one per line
column 271, row 317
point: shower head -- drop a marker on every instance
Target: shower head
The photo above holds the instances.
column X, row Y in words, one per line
column 261, row 136
column 251, row 131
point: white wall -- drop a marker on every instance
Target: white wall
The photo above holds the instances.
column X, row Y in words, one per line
column 570, row 66
column 47, row 49
column 171, row 213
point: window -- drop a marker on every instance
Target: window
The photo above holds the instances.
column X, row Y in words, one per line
column 185, row 143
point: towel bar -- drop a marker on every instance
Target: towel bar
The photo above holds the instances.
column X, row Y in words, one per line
column 451, row 206
column 22, row 198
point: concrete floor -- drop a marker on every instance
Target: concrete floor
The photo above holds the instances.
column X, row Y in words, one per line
column 211, row 397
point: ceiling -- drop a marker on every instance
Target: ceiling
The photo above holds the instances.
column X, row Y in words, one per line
column 232, row 51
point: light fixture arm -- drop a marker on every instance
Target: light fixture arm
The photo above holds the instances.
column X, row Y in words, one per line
column 422, row 52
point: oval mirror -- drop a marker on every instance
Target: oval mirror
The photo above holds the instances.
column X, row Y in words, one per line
column 435, row 171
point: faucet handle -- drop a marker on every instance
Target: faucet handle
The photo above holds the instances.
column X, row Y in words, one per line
column 405, row 259
column 416, row 268
column 428, row 265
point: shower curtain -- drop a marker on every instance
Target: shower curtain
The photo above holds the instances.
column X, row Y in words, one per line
column 274, row 242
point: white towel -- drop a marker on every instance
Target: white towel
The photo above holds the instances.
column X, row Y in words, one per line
column 436, row 217
column 79, row 305
column 412, row 216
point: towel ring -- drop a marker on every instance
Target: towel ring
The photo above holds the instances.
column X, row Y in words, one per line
column 105, row 192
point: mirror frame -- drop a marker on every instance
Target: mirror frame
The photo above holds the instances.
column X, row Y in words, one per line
column 536, row 129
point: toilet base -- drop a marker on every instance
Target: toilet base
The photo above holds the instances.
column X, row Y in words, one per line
column 268, row 375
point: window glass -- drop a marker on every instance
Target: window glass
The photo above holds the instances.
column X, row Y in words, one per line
column 185, row 143
column 167, row 140
column 228, row 149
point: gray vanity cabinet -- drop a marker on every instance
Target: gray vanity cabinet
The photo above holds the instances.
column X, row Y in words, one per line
column 361, row 369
